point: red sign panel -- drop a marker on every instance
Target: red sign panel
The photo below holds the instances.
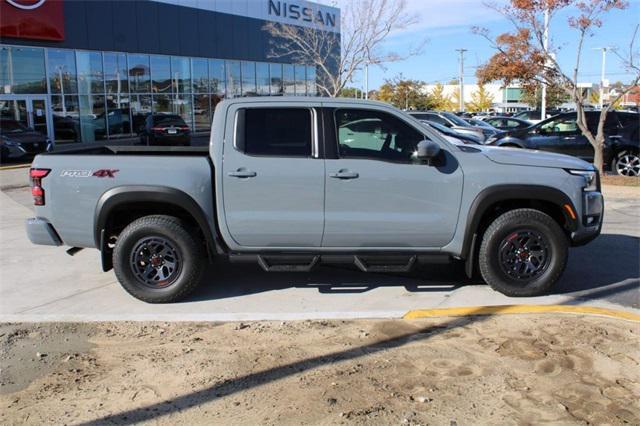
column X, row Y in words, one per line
column 33, row 19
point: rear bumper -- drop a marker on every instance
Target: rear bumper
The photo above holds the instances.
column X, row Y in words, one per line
column 42, row 232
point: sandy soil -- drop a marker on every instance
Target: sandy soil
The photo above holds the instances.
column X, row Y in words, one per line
column 515, row 369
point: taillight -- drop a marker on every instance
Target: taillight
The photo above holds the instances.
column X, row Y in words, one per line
column 158, row 129
column 184, row 127
column 37, row 191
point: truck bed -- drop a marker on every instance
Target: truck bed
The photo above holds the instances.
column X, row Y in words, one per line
column 101, row 149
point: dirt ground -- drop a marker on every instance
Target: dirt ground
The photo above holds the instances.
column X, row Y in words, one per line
column 511, row 369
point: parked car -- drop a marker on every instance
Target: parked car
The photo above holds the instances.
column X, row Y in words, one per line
column 452, row 135
column 454, row 122
column 507, row 123
column 480, row 123
column 165, row 130
column 17, row 140
column 281, row 186
column 561, row 134
column 534, row 116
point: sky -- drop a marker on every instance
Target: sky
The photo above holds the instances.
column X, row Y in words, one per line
column 446, row 25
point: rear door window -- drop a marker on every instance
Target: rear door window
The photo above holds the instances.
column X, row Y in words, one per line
column 169, row 120
column 281, row 132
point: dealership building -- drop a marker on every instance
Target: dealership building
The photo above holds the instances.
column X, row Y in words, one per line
column 85, row 71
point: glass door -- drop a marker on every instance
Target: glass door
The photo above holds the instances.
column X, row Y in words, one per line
column 15, row 109
column 38, row 115
column 30, row 111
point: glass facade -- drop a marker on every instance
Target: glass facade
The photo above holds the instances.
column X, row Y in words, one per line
column 95, row 95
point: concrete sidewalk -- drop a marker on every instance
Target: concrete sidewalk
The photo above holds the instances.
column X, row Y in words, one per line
column 39, row 283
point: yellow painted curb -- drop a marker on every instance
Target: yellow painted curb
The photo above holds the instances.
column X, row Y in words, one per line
column 17, row 166
column 520, row 309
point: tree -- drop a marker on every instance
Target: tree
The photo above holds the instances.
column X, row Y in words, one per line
column 481, row 100
column 364, row 26
column 439, row 100
column 349, row 92
column 523, row 56
column 404, row 94
column 556, row 95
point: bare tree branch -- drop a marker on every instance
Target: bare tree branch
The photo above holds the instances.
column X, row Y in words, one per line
column 365, row 24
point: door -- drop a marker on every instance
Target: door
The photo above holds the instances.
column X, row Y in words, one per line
column 378, row 195
column 560, row 135
column 273, row 182
column 30, row 111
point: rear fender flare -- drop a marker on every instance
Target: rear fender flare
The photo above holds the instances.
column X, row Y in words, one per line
column 127, row 194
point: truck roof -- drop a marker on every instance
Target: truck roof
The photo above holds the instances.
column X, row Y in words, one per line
column 300, row 99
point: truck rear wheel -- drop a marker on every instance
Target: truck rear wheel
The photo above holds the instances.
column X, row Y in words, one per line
column 523, row 253
column 158, row 259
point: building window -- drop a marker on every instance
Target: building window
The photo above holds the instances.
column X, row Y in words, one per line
column 181, row 71
column 62, row 71
column 90, row 74
column 288, row 80
column 93, row 124
column 234, row 87
column 262, row 78
column 139, row 73
column 199, row 68
column 66, row 118
column 181, row 105
column 140, row 108
column 22, row 70
column 312, row 87
column 201, row 113
column 248, row 78
column 217, row 77
column 160, row 74
column 275, row 76
column 115, row 73
column 301, row 80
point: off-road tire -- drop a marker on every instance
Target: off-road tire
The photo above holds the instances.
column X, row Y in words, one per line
column 182, row 238
column 510, row 223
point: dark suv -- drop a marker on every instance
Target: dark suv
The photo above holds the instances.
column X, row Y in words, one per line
column 561, row 134
column 165, row 130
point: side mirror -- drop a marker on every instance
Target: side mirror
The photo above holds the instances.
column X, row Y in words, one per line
column 427, row 151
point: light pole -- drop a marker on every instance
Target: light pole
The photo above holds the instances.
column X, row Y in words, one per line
column 461, row 79
column 366, row 80
column 602, row 75
column 545, row 45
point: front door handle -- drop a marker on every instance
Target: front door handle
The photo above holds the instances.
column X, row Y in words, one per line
column 344, row 174
column 243, row 173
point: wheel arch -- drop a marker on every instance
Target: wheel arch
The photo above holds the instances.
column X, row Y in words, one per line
column 496, row 200
column 135, row 201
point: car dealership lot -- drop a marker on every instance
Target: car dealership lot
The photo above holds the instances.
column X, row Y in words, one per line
column 39, row 283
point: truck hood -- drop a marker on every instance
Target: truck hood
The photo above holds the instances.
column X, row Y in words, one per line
column 534, row 158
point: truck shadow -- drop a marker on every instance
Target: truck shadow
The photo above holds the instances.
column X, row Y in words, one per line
column 600, row 269
column 225, row 280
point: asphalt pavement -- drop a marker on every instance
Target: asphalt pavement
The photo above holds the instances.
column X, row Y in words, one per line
column 39, row 283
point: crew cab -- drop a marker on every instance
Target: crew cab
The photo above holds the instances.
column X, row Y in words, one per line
column 291, row 183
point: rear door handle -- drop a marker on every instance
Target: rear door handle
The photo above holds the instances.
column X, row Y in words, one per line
column 344, row 174
column 243, row 173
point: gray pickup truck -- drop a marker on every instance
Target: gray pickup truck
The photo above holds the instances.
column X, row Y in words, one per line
column 291, row 183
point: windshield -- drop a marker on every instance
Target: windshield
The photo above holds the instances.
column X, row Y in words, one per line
column 455, row 119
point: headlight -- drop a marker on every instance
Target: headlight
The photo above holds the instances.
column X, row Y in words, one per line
column 490, row 140
column 590, row 177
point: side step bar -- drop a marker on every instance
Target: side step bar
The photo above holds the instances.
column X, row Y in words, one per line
column 370, row 265
column 296, row 262
column 283, row 264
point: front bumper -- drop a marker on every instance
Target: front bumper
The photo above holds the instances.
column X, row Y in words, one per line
column 591, row 219
column 42, row 232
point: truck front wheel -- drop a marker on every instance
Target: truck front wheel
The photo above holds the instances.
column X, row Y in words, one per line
column 523, row 253
column 158, row 259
